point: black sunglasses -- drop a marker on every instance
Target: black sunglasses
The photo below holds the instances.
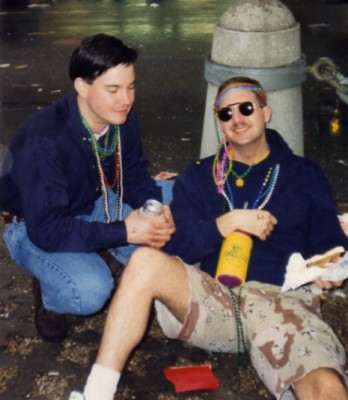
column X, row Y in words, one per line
column 246, row 108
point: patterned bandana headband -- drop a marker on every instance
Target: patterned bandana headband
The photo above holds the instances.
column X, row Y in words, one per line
column 233, row 87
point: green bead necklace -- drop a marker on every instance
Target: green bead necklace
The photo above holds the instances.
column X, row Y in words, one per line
column 110, row 139
column 240, row 178
column 241, row 342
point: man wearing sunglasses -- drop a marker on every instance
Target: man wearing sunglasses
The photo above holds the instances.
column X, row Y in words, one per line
column 256, row 184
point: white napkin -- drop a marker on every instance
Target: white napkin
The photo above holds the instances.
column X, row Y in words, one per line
column 298, row 274
column 343, row 218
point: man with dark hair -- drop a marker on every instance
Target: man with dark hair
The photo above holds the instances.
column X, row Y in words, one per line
column 73, row 172
column 254, row 184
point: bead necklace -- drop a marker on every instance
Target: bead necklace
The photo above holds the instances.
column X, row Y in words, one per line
column 116, row 176
column 265, row 192
column 222, row 169
column 241, row 341
column 240, row 178
column 109, row 148
column 109, row 144
column 117, row 184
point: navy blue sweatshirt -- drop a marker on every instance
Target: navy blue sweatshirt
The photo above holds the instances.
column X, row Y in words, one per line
column 301, row 201
column 50, row 176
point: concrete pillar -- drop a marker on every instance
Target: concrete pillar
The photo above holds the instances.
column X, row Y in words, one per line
column 259, row 39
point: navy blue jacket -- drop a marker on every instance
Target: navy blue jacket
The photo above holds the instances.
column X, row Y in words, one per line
column 50, row 176
column 302, row 203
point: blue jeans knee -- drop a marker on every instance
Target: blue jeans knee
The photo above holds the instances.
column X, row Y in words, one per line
column 73, row 283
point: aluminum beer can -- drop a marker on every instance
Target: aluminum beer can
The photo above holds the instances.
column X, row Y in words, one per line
column 151, row 209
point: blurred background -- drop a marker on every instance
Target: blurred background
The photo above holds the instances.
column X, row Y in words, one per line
column 174, row 38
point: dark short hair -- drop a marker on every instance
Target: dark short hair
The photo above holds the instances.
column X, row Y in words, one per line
column 96, row 54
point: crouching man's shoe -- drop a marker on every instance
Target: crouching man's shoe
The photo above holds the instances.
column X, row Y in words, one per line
column 51, row 326
column 76, row 396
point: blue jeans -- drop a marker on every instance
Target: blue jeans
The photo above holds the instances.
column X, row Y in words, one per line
column 72, row 283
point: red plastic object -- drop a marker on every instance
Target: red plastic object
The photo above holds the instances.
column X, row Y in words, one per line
column 188, row 378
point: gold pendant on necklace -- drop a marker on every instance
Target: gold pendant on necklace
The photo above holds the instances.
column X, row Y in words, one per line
column 240, row 182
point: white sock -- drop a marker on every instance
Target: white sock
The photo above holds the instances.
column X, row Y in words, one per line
column 101, row 383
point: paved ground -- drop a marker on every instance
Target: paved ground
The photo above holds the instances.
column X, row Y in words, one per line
column 36, row 39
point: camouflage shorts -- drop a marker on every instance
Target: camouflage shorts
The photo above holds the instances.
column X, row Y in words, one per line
column 283, row 332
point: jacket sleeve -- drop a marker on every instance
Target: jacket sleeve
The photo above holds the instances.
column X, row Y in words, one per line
column 196, row 235
column 40, row 175
column 40, row 172
column 325, row 231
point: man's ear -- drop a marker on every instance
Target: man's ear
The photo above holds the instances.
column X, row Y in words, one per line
column 267, row 112
column 81, row 87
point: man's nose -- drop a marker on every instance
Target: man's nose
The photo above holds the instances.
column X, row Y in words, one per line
column 236, row 114
column 127, row 97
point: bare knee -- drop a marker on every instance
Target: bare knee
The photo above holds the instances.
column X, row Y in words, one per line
column 146, row 262
column 159, row 276
column 322, row 383
column 156, row 270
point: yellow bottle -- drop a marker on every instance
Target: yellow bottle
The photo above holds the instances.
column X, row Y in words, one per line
column 234, row 259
